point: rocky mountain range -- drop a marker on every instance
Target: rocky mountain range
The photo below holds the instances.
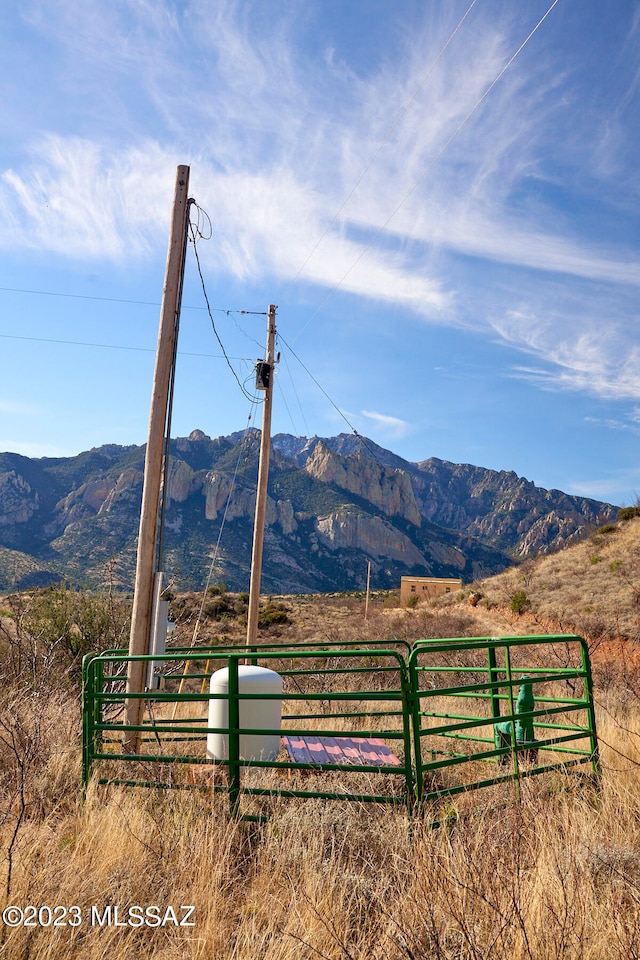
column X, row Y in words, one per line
column 334, row 504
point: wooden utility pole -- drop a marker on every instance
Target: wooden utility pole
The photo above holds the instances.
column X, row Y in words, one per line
column 264, row 381
column 140, row 639
column 366, row 602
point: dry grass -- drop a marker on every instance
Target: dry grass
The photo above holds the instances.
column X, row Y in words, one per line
column 335, row 617
column 554, row 877
column 592, row 588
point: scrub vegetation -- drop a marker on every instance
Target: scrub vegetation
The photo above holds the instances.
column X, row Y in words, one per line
column 592, row 588
column 555, row 876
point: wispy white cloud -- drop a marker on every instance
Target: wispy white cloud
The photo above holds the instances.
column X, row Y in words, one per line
column 78, row 201
column 280, row 148
column 392, row 426
column 610, row 423
column 266, row 122
column 82, row 202
column 593, row 350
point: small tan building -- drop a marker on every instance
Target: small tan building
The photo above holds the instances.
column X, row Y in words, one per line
column 425, row 588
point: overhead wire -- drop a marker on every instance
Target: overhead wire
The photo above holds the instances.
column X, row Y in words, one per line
column 430, row 166
column 114, row 346
column 214, row 560
column 304, row 419
column 142, row 303
column 387, row 137
column 286, row 406
column 363, row 440
column 195, row 236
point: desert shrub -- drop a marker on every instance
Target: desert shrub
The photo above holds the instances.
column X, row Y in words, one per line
column 412, row 601
column 241, row 608
column 218, row 608
column 50, row 630
column 519, row 602
column 217, row 590
column 607, row 528
column 628, row 513
column 429, row 625
column 273, row 614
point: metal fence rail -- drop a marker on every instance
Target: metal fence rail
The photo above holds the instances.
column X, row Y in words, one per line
column 330, row 693
column 460, row 726
column 445, row 708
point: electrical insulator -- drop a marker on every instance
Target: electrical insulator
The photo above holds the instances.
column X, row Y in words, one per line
column 263, row 375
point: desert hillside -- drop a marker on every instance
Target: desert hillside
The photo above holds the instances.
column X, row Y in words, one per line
column 334, row 505
column 553, row 876
column 591, row 588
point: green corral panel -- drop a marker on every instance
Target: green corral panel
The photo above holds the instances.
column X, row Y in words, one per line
column 380, row 722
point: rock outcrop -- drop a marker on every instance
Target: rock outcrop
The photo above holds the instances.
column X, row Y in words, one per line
column 388, row 489
column 334, row 505
column 373, row 536
column 18, row 502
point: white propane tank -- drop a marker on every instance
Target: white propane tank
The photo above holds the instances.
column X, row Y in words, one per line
column 254, row 714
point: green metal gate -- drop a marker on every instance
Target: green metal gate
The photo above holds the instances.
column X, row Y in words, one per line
column 333, row 693
column 451, row 715
column 468, row 729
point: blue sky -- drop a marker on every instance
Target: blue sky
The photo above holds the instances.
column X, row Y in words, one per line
column 451, row 235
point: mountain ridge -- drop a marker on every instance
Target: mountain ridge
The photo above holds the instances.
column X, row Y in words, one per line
column 334, row 504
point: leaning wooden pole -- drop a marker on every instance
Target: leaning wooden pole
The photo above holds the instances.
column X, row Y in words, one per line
column 265, row 370
column 139, row 642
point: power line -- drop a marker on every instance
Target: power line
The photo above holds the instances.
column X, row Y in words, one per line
column 387, row 137
column 142, row 303
column 362, row 439
column 304, row 419
column 196, row 234
column 113, row 346
column 83, row 296
column 430, row 166
column 467, row 118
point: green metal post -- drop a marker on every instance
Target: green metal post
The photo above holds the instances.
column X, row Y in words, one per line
column 493, row 678
column 512, row 711
column 85, row 730
column 97, row 670
column 407, row 699
column 88, row 731
column 234, row 735
column 588, row 683
column 414, row 707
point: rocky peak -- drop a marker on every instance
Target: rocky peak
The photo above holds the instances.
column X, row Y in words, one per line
column 18, row 502
column 333, row 502
column 198, row 435
column 389, row 489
